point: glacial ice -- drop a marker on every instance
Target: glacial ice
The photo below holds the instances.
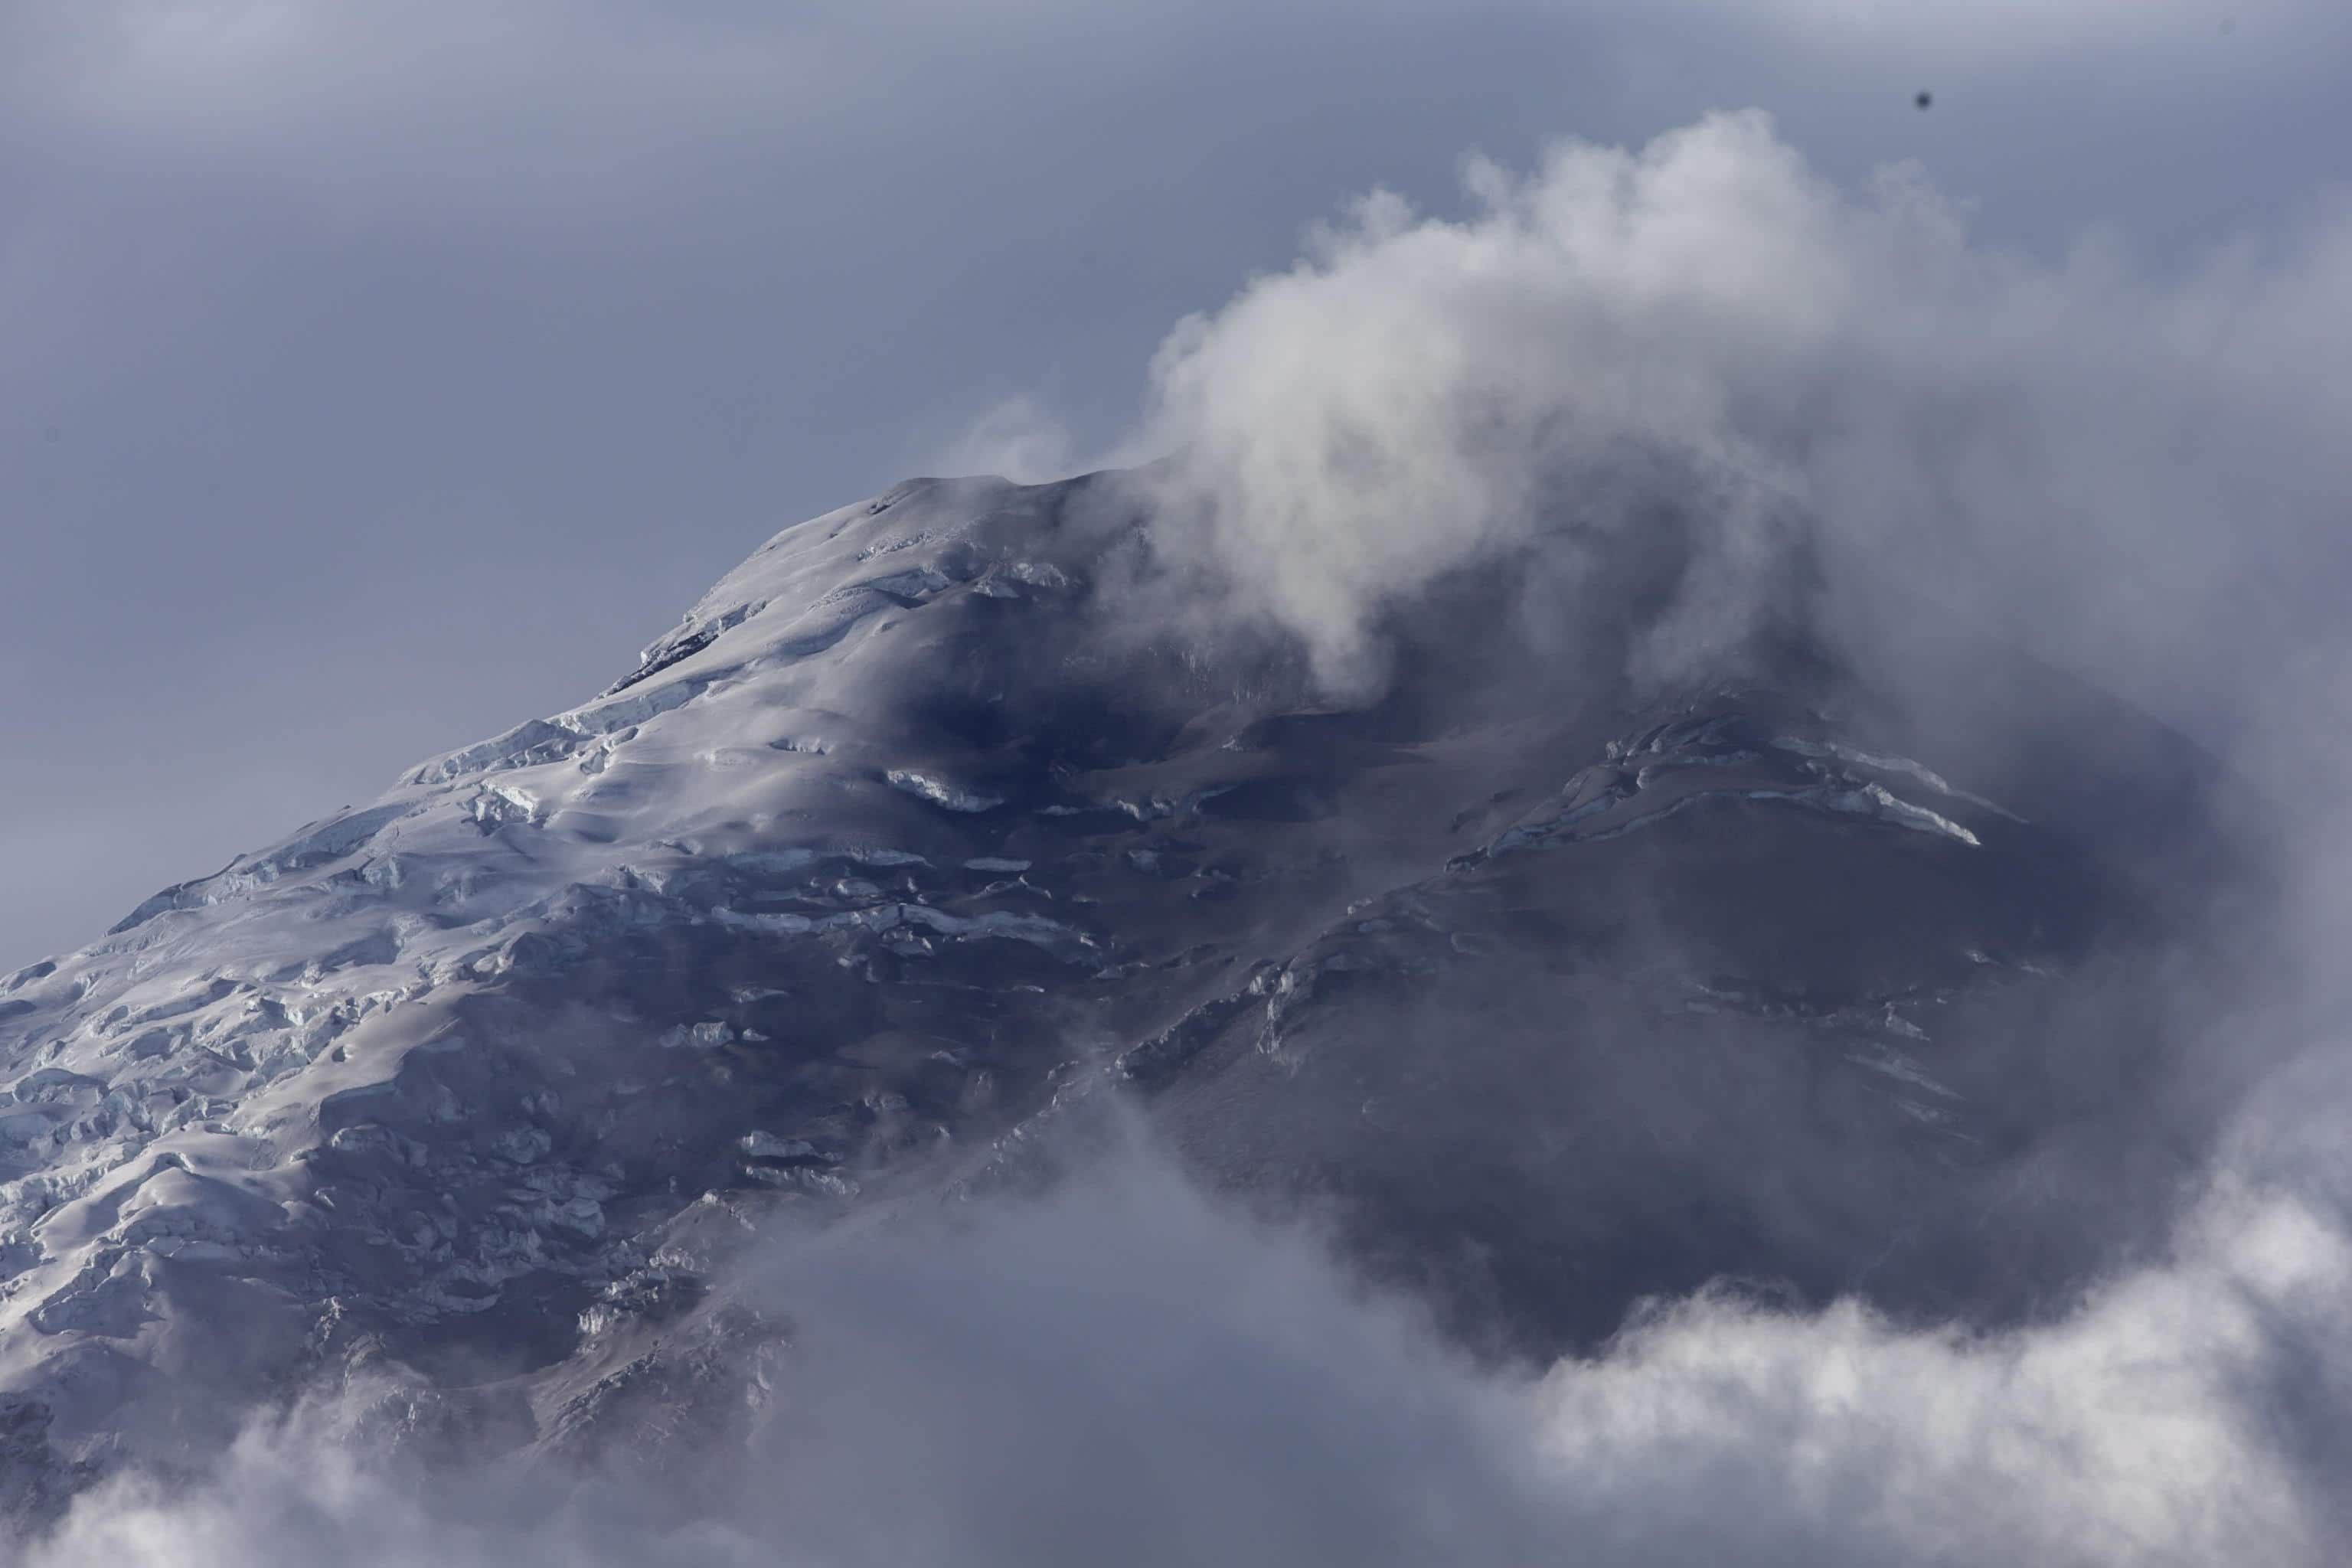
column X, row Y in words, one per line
column 941, row 793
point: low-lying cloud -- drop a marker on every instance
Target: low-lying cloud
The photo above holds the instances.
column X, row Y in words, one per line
column 1127, row 1371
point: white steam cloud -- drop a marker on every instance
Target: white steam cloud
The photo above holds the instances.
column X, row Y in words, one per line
column 2140, row 475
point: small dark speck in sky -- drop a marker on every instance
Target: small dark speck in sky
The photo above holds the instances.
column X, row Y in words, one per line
column 1923, row 99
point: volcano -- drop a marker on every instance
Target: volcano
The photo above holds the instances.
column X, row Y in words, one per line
column 914, row 855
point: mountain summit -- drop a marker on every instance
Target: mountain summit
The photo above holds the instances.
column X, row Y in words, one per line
column 917, row 842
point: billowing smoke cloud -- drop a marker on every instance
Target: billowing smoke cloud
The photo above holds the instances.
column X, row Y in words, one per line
column 2134, row 473
column 2142, row 475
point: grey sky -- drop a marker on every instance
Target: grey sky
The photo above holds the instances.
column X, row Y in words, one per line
column 376, row 377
